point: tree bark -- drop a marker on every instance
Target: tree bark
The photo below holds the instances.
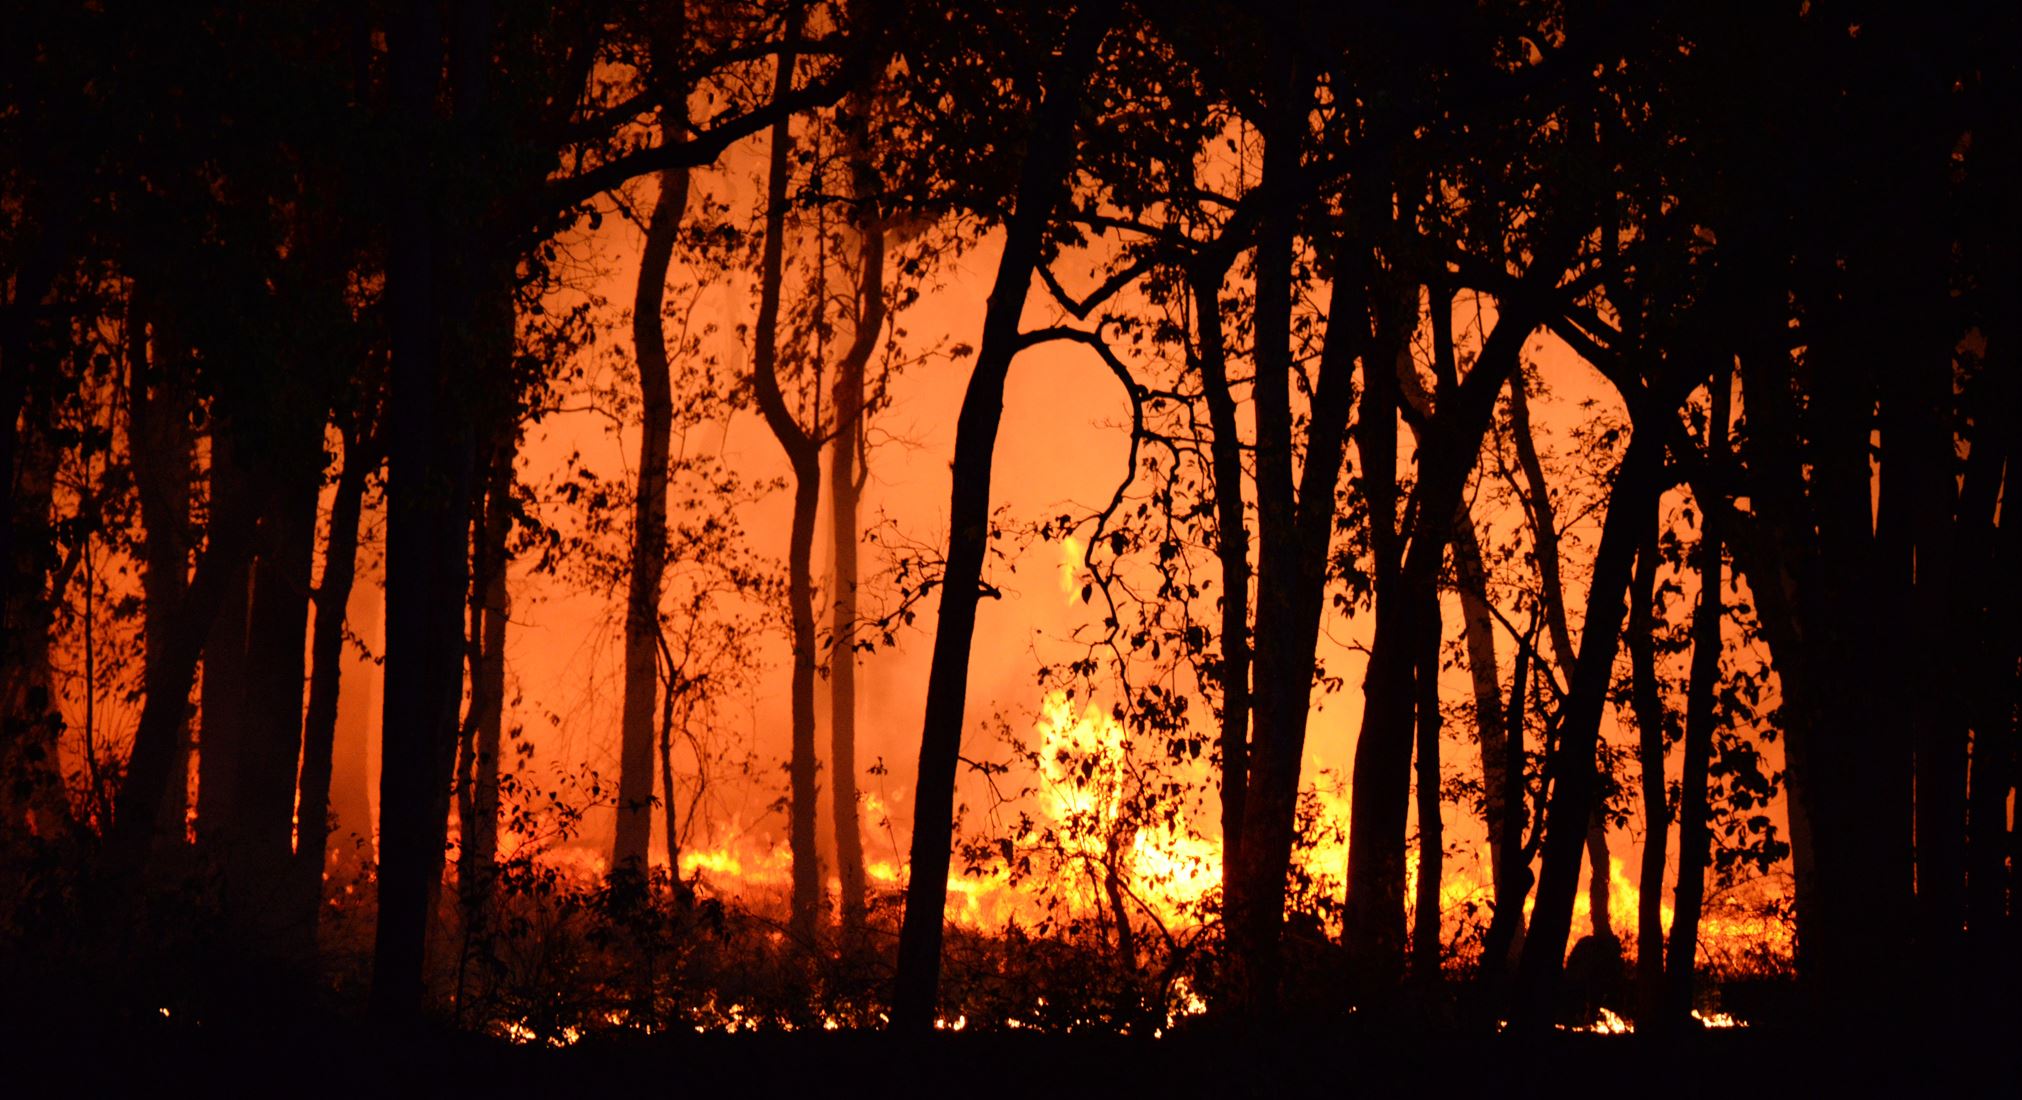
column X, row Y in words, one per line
column 1478, row 623
column 1373, row 920
column 478, row 811
column 649, row 530
column 1232, row 549
column 1042, row 185
column 844, row 490
column 1688, row 895
column 428, row 471
column 1569, row 814
column 803, row 453
column 221, row 729
column 1651, row 720
column 164, row 449
column 319, row 724
column 1426, row 947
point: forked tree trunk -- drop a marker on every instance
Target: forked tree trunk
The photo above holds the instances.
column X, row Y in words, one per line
column 1373, row 918
column 803, row 453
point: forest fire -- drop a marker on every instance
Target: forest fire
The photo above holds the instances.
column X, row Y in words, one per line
column 1034, row 522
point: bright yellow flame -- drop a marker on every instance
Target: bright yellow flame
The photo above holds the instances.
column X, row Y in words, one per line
column 1070, row 568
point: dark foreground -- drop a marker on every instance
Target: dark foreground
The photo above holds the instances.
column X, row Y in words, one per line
column 167, row 1058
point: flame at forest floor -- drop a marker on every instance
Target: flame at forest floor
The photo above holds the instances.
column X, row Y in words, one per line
column 1084, row 847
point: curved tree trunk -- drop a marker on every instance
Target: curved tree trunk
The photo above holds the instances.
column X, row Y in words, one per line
column 649, row 530
column 1042, row 184
column 803, row 453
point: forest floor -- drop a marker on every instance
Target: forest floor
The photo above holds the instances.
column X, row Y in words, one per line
column 340, row 1060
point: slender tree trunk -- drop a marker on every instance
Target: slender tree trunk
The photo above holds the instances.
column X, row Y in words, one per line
column 478, row 812
column 1295, row 519
column 649, row 529
column 1688, row 896
column 163, row 732
column 1544, row 528
column 164, row 447
column 349, row 845
column 1232, row 548
column 803, row 452
column 1513, row 879
column 258, row 849
column 1471, row 577
column 1569, row 815
column 319, row 724
column 844, row 489
column 1651, row 721
column 1042, row 184
column 1426, row 947
column 1373, row 919
column 667, row 815
column 226, row 683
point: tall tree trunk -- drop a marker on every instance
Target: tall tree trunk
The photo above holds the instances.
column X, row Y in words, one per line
column 1651, row 720
column 1570, row 813
column 1688, row 895
column 477, row 812
column 1042, row 185
column 1232, row 548
column 163, row 732
column 1373, row 919
column 1513, row 879
column 1544, row 528
column 428, row 471
column 1470, row 580
column 1478, row 622
column 164, row 448
column 226, row 684
column 845, row 487
column 327, row 658
column 349, row 845
column 1426, row 947
column 1600, row 869
column 649, row 530
column 1295, row 519
column 803, row 453
column 259, row 834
